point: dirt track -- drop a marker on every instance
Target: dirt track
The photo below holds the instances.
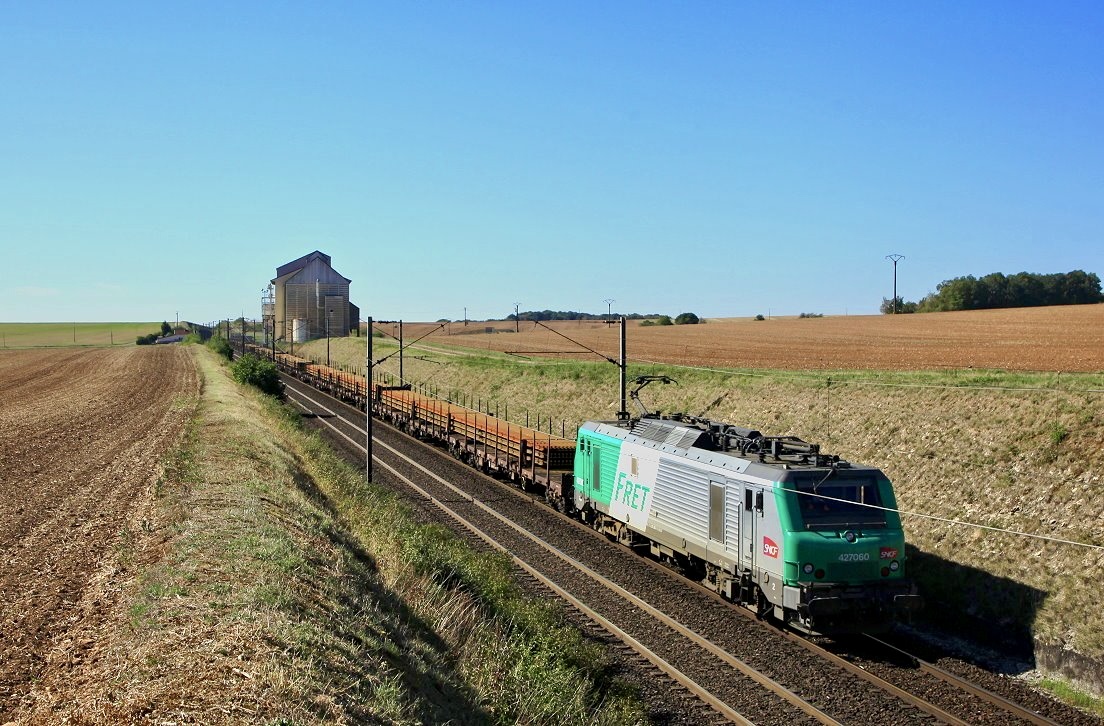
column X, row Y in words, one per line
column 82, row 434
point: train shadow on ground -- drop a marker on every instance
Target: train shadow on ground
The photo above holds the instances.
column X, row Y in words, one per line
column 977, row 606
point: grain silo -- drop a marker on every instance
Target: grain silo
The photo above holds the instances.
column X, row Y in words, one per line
column 311, row 300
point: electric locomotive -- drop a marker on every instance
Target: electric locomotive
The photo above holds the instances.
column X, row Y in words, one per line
column 769, row 522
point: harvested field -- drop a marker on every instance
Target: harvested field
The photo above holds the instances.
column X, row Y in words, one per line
column 82, row 433
column 1067, row 338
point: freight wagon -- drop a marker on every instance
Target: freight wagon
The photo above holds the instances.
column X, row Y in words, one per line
column 766, row 521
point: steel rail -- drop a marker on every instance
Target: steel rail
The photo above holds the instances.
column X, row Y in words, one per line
column 929, row 708
column 763, row 680
column 946, row 676
column 674, row 673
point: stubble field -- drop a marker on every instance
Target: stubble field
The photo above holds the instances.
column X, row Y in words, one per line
column 82, row 433
column 1068, row 338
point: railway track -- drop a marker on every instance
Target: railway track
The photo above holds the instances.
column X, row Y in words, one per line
column 679, row 653
column 744, row 671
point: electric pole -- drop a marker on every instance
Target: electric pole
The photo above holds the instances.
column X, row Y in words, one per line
column 368, row 399
column 895, row 258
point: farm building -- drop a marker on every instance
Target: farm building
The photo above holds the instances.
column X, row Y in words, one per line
column 310, row 299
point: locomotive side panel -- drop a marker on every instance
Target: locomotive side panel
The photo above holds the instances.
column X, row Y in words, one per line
column 681, row 506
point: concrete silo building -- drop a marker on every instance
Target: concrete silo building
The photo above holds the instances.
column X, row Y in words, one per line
column 310, row 300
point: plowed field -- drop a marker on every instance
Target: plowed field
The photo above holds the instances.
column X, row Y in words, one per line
column 1067, row 338
column 82, row 433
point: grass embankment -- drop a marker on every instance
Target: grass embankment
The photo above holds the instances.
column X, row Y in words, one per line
column 1016, row 451
column 274, row 585
column 61, row 335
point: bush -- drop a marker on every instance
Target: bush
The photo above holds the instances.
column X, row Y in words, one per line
column 811, row 315
column 146, row 339
column 647, row 323
column 221, row 346
column 759, row 317
column 257, row 372
column 687, row 319
column 664, row 320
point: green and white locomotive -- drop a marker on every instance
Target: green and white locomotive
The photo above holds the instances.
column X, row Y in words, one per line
column 768, row 522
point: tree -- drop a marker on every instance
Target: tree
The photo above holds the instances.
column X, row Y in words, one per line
column 165, row 328
column 687, row 319
column 902, row 306
column 1023, row 289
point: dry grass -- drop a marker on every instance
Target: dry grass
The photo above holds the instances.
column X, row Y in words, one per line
column 268, row 583
column 245, row 602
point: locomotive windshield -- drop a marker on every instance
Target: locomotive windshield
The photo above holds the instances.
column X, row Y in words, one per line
column 839, row 502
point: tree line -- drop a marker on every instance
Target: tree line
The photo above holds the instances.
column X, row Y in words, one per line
column 653, row 318
column 996, row 290
column 544, row 315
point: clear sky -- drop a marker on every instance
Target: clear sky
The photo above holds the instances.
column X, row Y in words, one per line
column 723, row 158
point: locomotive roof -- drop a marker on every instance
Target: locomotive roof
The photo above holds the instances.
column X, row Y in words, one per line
column 724, row 445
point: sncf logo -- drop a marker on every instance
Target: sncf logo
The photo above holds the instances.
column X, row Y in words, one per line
column 770, row 549
column 887, row 553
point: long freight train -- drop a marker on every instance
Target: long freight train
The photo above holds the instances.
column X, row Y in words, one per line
column 769, row 522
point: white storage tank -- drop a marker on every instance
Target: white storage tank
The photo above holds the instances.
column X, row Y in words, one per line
column 299, row 330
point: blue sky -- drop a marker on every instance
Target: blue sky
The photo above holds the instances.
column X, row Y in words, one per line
column 724, row 158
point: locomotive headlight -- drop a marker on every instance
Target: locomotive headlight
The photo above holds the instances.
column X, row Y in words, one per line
column 894, row 566
column 807, row 568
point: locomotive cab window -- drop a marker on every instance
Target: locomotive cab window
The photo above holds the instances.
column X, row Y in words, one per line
column 839, row 502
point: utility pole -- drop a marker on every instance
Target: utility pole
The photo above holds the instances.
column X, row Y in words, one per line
column 368, row 400
column 517, row 318
column 402, row 379
column 623, row 414
column 894, row 258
